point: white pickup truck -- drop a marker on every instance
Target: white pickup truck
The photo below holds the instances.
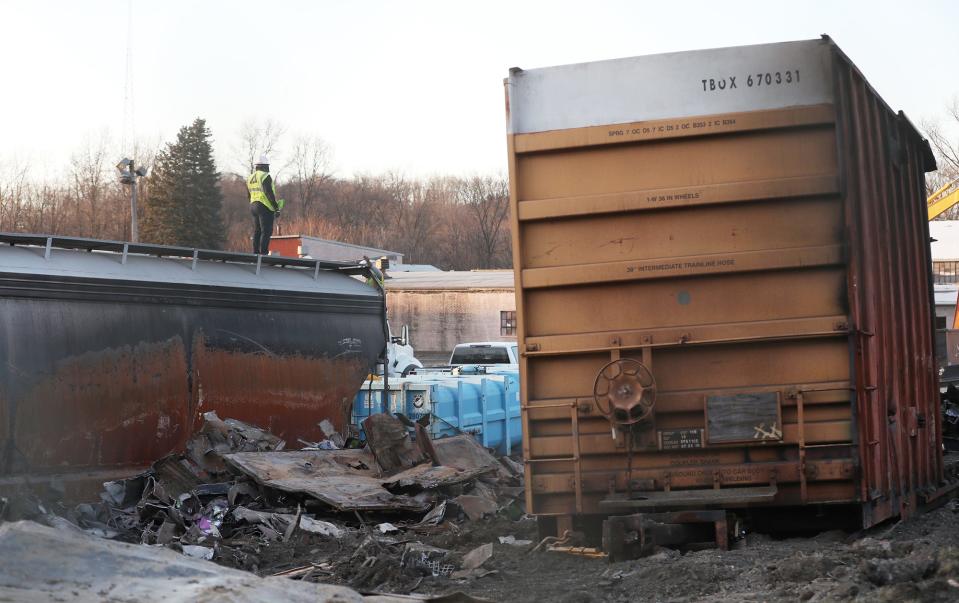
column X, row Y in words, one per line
column 485, row 352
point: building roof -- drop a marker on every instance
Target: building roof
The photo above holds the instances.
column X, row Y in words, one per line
column 415, row 268
column 946, row 294
column 361, row 250
column 946, row 235
column 453, row 280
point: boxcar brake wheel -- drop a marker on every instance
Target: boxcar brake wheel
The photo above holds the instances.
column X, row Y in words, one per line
column 625, row 391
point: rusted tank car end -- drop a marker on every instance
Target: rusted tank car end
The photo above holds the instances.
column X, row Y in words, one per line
column 723, row 289
column 110, row 358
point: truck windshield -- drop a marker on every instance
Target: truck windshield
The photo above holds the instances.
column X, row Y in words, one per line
column 479, row 355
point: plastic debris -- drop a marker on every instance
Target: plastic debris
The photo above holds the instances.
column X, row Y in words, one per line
column 387, row 528
column 331, row 434
column 435, row 516
column 513, row 541
column 430, row 558
column 324, row 528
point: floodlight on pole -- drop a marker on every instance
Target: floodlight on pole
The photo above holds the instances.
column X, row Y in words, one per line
column 129, row 176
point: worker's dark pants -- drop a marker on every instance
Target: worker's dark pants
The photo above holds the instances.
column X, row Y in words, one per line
column 262, row 228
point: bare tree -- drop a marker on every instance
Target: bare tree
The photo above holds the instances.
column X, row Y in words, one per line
column 14, row 196
column 257, row 137
column 87, row 175
column 47, row 209
column 487, row 199
column 310, row 171
column 945, row 146
column 417, row 223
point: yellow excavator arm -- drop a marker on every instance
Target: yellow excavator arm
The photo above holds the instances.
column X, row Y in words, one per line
column 943, row 199
column 937, row 204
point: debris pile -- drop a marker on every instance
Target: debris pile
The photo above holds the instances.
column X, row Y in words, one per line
column 325, row 513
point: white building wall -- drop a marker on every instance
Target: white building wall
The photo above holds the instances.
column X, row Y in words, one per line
column 440, row 319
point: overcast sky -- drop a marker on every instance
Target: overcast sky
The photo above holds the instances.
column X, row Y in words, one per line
column 411, row 86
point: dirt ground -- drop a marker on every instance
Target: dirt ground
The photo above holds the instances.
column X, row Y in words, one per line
column 297, row 535
column 915, row 560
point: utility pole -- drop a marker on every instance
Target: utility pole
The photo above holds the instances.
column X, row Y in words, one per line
column 130, row 177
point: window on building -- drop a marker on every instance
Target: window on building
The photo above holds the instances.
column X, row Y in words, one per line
column 507, row 322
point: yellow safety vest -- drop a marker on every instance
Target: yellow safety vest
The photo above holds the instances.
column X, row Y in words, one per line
column 255, row 185
column 375, row 278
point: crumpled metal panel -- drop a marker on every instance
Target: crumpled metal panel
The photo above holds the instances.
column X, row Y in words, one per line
column 343, row 479
column 350, row 480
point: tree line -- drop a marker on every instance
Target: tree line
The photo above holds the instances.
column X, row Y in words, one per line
column 452, row 222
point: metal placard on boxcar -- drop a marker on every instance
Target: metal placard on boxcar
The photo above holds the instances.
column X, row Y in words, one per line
column 743, row 417
column 680, row 439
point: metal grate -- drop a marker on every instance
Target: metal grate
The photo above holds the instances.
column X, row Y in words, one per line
column 945, row 273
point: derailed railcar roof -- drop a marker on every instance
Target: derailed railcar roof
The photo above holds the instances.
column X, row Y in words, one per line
column 74, row 258
column 674, row 85
column 671, row 85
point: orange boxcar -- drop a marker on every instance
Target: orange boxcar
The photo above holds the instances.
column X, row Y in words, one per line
column 723, row 286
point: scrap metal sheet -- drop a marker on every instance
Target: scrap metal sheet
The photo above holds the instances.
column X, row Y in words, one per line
column 427, row 477
column 465, row 453
column 343, row 479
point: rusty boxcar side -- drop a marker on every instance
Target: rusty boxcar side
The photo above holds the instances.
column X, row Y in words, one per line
column 111, row 352
column 749, row 224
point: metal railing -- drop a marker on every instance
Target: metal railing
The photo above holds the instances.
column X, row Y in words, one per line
column 49, row 242
column 945, row 273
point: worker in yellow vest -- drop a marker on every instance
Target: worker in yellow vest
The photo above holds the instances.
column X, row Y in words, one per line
column 264, row 205
column 377, row 277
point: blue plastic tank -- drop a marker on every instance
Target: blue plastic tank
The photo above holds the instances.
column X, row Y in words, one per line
column 482, row 402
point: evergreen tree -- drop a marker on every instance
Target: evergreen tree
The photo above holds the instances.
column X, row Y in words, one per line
column 183, row 205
